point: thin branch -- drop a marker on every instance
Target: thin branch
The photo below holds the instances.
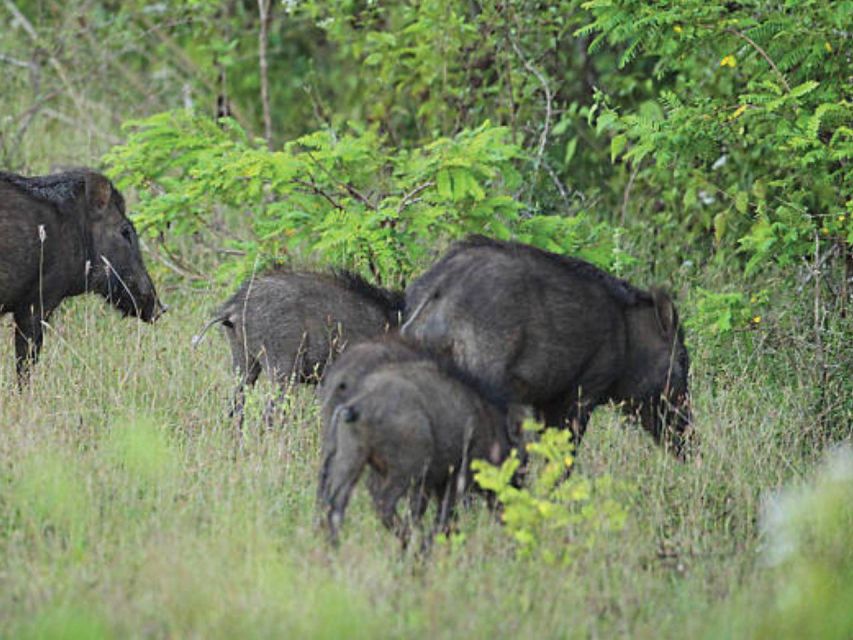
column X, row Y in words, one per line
column 64, row 118
column 263, row 38
column 14, row 61
column 546, row 128
column 60, row 70
column 170, row 264
column 355, row 193
column 627, row 195
column 412, row 196
column 318, row 191
column 29, row 115
column 564, row 192
column 177, row 265
column 815, row 269
column 192, row 70
column 754, row 45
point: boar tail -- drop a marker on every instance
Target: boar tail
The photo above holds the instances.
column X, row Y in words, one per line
column 222, row 318
column 342, row 464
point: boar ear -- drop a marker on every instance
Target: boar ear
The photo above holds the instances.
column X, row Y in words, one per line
column 98, row 192
column 665, row 312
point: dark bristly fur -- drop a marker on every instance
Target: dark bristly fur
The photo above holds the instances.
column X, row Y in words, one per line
column 60, row 189
column 291, row 324
column 620, row 289
column 62, row 235
column 554, row 332
column 391, row 299
column 417, row 428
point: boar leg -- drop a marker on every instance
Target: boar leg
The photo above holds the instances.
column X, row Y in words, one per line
column 573, row 414
column 248, row 377
column 447, row 500
column 385, row 498
column 29, row 337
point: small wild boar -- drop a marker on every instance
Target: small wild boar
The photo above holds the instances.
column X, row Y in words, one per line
column 291, row 324
column 554, row 332
column 417, row 428
column 62, row 235
column 342, row 379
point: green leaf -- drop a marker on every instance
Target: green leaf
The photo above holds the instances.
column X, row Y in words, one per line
column 571, row 146
column 443, row 184
column 741, row 201
column 617, row 144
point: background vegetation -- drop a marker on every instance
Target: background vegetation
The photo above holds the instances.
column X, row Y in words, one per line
column 704, row 145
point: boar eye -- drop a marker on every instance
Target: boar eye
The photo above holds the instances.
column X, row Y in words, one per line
column 342, row 386
column 127, row 232
column 436, row 295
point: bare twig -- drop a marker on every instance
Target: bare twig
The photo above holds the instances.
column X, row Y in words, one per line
column 318, row 191
column 29, row 115
column 627, row 195
column 173, row 263
column 192, row 70
column 847, row 257
column 815, row 269
column 355, row 193
column 66, row 119
column 818, row 324
column 412, row 196
column 263, row 38
column 60, row 70
column 320, row 111
column 564, row 192
column 763, row 53
column 546, row 127
column 14, row 61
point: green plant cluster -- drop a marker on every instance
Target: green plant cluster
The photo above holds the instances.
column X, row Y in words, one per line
column 747, row 140
column 551, row 518
column 342, row 198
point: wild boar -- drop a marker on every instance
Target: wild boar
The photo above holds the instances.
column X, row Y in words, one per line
column 342, row 379
column 62, row 235
column 554, row 332
column 291, row 324
column 417, row 428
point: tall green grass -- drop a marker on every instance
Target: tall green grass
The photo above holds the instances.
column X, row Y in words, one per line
column 129, row 509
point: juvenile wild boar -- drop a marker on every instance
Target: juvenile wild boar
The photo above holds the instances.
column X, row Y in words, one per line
column 342, row 379
column 418, row 429
column 291, row 324
column 554, row 332
column 62, row 235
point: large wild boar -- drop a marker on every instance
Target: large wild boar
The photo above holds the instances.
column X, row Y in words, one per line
column 60, row 236
column 291, row 324
column 417, row 428
column 554, row 332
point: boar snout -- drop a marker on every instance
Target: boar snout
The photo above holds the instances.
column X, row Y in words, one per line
column 158, row 310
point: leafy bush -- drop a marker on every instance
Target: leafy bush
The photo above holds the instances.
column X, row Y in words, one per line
column 552, row 517
column 344, row 198
column 749, row 137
